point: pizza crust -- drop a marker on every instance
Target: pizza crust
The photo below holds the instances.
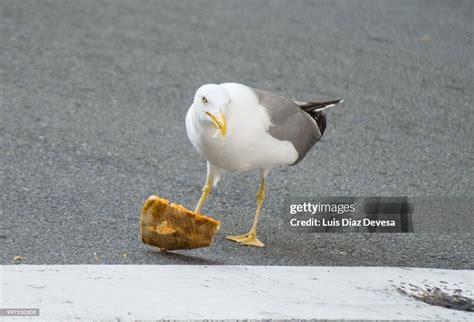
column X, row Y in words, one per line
column 171, row 226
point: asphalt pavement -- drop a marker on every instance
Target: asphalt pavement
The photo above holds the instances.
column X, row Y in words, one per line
column 93, row 96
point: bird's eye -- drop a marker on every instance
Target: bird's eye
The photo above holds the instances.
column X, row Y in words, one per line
column 204, row 99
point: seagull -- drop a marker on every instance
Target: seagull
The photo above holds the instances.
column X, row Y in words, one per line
column 239, row 128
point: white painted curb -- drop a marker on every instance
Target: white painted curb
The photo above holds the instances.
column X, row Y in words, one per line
column 127, row 292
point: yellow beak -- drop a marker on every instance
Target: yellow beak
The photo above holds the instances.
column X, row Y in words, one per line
column 219, row 122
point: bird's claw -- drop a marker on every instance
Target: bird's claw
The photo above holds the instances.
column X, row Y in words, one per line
column 247, row 240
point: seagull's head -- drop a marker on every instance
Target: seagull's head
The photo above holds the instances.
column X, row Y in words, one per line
column 210, row 102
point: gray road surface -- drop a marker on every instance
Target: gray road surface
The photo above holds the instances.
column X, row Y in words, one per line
column 93, row 96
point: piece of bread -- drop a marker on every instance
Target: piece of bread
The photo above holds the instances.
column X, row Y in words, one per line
column 171, row 226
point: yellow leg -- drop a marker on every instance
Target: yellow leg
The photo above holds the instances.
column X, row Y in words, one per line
column 206, row 190
column 213, row 176
column 250, row 239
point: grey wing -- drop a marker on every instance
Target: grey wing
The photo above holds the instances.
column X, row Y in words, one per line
column 289, row 122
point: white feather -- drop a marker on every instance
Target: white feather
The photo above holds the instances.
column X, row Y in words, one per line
column 247, row 144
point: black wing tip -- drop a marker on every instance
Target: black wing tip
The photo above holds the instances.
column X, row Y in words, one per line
column 321, row 121
column 333, row 102
column 315, row 106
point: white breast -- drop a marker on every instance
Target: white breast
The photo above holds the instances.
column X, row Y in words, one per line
column 247, row 145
